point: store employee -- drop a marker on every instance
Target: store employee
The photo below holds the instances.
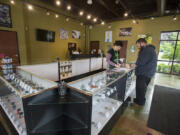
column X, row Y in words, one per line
column 113, row 55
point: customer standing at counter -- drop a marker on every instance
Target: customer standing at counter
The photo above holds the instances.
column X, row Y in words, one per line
column 145, row 69
column 113, row 55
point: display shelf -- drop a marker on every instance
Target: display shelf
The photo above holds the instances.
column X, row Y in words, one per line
column 17, row 121
column 58, row 124
column 93, row 84
column 102, row 113
column 70, row 99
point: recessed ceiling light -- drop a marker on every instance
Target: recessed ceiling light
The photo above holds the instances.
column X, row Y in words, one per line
column 81, row 13
column 56, row 15
column 88, row 17
column 69, row 7
column 95, row 20
column 102, row 23
column 125, row 14
column 30, row 7
column 58, row 3
column 12, row 2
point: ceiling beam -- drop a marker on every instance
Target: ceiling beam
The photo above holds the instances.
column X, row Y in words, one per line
column 161, row 4
column 101, row 2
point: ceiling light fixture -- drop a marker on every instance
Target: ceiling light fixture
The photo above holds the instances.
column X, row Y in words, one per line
column 95, row 20
column 81, row 13
column 47, row 13
column 88, row 17
column 90, row 27
column 89, row 2
column 57, row 16
column 117, row 1
column 58, row 3
column 69, row 7
column 102, row 23
column 30, row 7
column 109, row 27
column 12, row 2
column 125, row 14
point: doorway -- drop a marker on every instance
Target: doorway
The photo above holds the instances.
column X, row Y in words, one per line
column 169, row 53
column 123, row 50
column 9, row 45
column 94, row 46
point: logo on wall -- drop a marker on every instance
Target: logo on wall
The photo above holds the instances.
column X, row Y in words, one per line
column 125, row 32
column 63, row 34
column 76, row 34
column 108, row 36
column 148, row 37
column 5, row 16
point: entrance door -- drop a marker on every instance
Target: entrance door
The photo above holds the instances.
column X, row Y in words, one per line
column 9, row 45
column 94, row 45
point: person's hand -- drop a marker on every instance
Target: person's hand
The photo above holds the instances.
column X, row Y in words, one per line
column 117, row 65
column 133, row 65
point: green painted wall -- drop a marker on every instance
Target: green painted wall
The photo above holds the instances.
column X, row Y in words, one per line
column 154, row 27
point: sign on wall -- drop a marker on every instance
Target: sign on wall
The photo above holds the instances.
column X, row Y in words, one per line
column 76, row 34
column 108, row 36
column 63, row 34
column 125, row 31
column 5, row 16
column 148, row 37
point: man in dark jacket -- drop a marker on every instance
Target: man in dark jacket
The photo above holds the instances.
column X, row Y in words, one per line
column 145, row 69
column 113, row 55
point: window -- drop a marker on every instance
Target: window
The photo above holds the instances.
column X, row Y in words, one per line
column 169, row 53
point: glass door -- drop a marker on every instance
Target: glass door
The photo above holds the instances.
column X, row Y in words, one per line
column 169, row 53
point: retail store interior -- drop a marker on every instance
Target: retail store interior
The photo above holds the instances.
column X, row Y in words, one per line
column 55, row 67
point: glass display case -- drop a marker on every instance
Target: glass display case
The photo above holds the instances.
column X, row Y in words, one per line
column 34, row 106
column 108, row 90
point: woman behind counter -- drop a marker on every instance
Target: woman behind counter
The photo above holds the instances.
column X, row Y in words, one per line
column 113, row 55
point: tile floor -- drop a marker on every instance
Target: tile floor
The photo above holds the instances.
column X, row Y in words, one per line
column 134, row 120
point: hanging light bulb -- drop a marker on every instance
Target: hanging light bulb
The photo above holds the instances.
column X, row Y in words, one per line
column 57, row 16
column 12, row 2
column 81, row 13
column 95, row 20
column 102, row 23
column 69, row 7
column 58, row 3
column 125, row 14
column 30, row 7
column 88, row 17
column 89, row 2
